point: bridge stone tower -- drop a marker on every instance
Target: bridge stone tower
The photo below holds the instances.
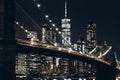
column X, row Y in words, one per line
column 7, row 40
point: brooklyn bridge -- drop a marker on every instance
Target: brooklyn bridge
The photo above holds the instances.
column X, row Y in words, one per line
column 50, row 56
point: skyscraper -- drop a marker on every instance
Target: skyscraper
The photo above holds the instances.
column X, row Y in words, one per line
column 48, row 34
column 91, row 36
column 66, row 34
column 66, row 41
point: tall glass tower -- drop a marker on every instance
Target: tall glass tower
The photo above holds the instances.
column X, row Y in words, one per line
column 66, row 41
column 66, row 34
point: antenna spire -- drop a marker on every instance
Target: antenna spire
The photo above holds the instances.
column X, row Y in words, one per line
column 65, row 9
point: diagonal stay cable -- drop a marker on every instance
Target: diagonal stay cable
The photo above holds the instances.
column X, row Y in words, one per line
column 37, row 27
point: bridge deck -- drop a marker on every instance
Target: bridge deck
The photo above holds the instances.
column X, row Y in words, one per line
column 61, row 50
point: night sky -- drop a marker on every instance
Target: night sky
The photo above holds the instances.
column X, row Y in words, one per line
column 105, row 13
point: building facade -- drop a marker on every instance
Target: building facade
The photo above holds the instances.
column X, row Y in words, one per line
column 66, row 33
column 91, row 36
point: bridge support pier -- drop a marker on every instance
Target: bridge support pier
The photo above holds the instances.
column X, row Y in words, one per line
column 105, row 73
column 7, row 60
column 7, row 40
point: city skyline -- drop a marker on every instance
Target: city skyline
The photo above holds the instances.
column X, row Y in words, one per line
column 31, row 44
column 81, row 13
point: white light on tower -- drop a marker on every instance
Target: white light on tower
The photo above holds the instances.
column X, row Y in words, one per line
column 21, row 27
column 50, row 21
column 46, row 16
column 17, row 23
column 53, row 25
column 26, row 30
column 38, row 5
column 80, row 79
column 59, row 32
column 56, row 29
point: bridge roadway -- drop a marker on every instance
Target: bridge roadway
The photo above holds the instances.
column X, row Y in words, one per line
column 50, row 50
